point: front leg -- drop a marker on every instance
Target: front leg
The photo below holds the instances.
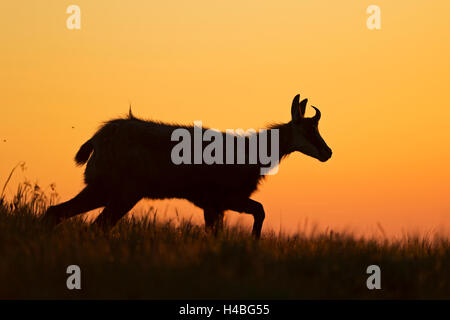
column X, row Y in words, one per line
column 254, row 208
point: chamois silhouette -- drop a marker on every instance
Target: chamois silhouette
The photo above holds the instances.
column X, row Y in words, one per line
column 129, row 159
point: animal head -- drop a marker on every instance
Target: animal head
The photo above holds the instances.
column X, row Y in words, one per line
column 305, row 132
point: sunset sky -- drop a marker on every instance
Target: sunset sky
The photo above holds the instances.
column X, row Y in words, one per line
column 384, row 96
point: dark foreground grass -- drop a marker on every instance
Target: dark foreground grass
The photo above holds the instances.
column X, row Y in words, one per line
column 154, row 259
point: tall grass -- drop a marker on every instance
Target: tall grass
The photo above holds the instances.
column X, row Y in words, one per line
column 167, row 259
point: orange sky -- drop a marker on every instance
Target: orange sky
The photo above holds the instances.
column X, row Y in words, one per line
column 384, row 95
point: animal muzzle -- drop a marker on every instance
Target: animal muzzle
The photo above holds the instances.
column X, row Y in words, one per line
column 325, row 154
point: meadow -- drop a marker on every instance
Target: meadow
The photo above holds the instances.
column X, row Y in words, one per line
column 153, row 258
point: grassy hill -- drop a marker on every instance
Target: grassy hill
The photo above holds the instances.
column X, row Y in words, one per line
column 154, row 259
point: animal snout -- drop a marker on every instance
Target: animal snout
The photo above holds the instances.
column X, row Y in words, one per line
column 326, row 154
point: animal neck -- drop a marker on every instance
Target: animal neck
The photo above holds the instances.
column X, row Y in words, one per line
column 285, row 138
column 281, row 134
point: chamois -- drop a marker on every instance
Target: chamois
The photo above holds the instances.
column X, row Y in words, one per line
column 129, row 159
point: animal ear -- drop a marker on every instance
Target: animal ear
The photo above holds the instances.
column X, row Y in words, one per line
column 298, row 108
column 295, row 109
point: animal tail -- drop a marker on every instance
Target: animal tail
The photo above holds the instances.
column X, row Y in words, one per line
column 85, row 151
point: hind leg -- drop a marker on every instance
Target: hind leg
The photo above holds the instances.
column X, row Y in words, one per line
column 114, row 210
column 213, row 220
column 88, row 199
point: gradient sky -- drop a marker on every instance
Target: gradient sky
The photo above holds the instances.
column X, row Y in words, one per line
column 384, row 95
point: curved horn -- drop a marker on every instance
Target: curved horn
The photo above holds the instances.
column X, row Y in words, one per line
column 317, row 115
